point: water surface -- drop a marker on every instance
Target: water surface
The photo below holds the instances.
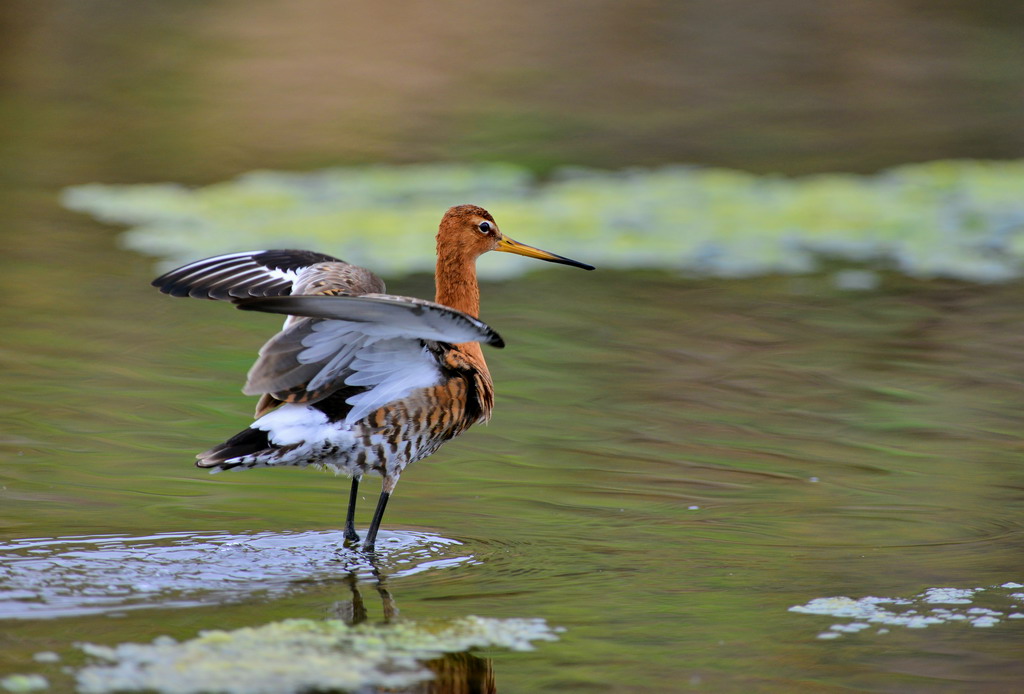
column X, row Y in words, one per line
column 673, row 463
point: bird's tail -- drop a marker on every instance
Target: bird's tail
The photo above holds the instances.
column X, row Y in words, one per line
column 245, row 449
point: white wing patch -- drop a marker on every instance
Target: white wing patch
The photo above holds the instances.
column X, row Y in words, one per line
column 277, row 273
column 393, row 369
column 338, row 351
column 366, row 355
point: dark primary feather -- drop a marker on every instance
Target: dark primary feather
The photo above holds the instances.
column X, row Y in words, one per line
column 250, row 274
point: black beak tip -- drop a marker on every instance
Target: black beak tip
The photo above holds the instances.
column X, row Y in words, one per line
column 569, row 261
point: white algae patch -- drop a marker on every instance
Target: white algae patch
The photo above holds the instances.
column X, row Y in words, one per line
column 298, row 655
column 949, row 596
column 24, row 683
column 931, row 607
column 61, row 577
column 959, row 219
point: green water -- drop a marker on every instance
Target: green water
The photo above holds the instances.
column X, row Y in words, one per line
column 673, row 462
column 671, row 466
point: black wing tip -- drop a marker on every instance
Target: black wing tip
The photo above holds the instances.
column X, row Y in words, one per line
column 165, row 283
column 179, row 291
column 496, row 341
column 171, row 287
column 257, row 303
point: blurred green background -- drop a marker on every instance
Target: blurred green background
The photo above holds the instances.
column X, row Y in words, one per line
column 199, row 91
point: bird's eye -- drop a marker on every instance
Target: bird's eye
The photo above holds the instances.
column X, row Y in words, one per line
column 485, row 227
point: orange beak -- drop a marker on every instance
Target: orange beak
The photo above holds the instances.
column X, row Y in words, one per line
column 507, row 245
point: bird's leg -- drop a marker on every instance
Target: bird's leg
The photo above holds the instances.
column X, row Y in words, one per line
column 371, row 534
column 351, row 536
column 390, row 480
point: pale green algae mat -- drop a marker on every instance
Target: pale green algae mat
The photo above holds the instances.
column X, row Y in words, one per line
column 294, row 655
column 955, row 219
column 299, row 655
column 929, row 608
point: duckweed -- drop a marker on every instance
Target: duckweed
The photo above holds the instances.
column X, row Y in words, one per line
column 932, row 607
column 298, row 655
column 956, row 219
column 24, row 683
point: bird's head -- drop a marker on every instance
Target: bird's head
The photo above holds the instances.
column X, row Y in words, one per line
column 470, row 231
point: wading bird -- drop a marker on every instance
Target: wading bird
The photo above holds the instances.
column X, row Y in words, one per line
column 358, row 381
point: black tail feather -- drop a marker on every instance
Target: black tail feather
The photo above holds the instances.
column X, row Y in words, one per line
column 245, row 442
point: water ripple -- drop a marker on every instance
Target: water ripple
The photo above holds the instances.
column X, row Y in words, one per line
column 81, row 575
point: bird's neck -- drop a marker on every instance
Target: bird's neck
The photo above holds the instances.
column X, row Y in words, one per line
column 456, row 287
column 456, row 284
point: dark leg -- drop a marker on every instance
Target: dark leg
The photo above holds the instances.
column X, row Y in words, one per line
column 371, row 534
column 350, row 517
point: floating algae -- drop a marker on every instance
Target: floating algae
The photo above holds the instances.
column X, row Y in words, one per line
column 24, row 683
column 299, row 655
column 957, row 219
column 926, row 609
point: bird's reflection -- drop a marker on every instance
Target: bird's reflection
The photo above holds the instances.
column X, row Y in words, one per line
column 454, row 673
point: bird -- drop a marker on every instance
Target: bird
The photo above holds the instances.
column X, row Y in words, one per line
column 358, row 381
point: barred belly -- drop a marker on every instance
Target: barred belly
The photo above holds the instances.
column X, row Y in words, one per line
column 382, row 443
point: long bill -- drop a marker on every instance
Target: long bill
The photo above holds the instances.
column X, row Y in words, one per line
column 507, row 245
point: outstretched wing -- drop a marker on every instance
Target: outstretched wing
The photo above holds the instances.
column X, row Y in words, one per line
column 267, row 273
column 378, row 347
column 394, row 316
